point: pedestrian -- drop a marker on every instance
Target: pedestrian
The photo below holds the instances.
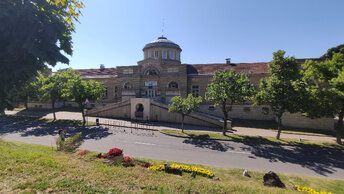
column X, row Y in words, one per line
column 62, row 134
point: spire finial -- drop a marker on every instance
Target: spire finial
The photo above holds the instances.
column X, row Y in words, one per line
column 162, row 28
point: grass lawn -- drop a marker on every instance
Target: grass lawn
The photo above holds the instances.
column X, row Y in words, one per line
column 239, row 138
column 19, row 109
column 44, row 120
column 28, row 168
column 272, row 125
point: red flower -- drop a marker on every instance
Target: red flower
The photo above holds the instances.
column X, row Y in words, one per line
column 115, row 152
column 83, row 152
column 127, row 159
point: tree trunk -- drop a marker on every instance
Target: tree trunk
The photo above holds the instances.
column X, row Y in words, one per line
column 183, row 123
column 53, row 108
column 225, row 118
column 340, row 126
column 83, row 114
column 279, row 127
column 25, row 102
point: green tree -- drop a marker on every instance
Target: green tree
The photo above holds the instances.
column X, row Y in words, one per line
column 184, row 106
column 227, row 88
column 82, row 90
column 28, row 91
column 326, row 88
column 33, row 34
column 282, row 89
column 330, row 52
column 55, row 87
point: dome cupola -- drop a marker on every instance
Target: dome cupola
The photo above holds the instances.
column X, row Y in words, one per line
column 162, row 42
column 162, row 49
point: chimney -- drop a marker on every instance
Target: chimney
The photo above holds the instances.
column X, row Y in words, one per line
column 228, row 61
column 102, row 67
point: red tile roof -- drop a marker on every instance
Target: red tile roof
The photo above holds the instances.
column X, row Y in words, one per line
column 199, row 69
column 96, row 72
column 192, row 69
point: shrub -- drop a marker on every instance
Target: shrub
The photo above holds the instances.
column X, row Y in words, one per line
column 71, row 144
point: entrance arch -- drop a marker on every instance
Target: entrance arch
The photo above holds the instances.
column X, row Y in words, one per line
column 139, row 110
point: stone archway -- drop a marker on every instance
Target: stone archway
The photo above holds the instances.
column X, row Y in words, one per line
column 139, row 110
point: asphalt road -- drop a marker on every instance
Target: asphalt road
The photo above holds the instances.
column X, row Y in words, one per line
column 305, row 160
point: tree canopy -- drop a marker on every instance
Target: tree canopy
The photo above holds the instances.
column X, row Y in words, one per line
column 282, row 89
column 33, row 34
column 82, row 90
column 227, row 88
column 184, row 106
column 325, row 81
column 55, row 87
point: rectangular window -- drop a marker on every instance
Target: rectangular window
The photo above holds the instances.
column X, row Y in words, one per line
column 105, row 93
column 177, row 56
column 195, row 91
column 172, row 55
column 164, row 54
column 115, row 93
column 156, row 54
column 150, row 54
column 172, row 69
column 128, row 71
column 145, row 55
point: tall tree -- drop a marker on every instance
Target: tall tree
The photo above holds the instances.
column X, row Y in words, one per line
column 227, row 88
column 32, row 34
column 184, row 106
column 83, row 91
column 326, row 88
column 281, row 89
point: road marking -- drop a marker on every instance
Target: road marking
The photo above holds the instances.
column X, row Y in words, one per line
column 142, row 143
column 238, row 152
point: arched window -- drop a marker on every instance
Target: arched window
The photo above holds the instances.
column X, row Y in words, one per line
column 173, row 85
column 127, row 86
column 151, row 72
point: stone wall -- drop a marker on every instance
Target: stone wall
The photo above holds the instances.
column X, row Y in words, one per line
column 299, row 121
column 159, row 112
column 117, row 110
column 240, row 112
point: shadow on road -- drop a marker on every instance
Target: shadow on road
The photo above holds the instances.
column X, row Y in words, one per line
column 209, row 144
column 322, row 160
column 26, row 128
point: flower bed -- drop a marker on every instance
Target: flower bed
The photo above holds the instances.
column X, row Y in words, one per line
column 115, row 152
column 185, row 168
column 310, row 190
column 83, row 152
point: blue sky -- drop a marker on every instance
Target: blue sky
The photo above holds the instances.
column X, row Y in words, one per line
column 113, row 32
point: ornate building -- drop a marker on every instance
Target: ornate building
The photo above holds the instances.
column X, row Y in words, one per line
column 161, row 75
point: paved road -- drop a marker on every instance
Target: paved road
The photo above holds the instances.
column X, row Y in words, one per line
column 239, row 130
column 305, row 160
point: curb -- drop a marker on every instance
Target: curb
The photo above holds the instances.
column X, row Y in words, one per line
column 194, row 137
column 228, row 140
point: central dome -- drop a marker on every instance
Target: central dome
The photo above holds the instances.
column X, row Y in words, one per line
column 162, row 42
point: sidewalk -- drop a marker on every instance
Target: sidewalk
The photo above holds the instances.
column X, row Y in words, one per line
column 159, row 126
